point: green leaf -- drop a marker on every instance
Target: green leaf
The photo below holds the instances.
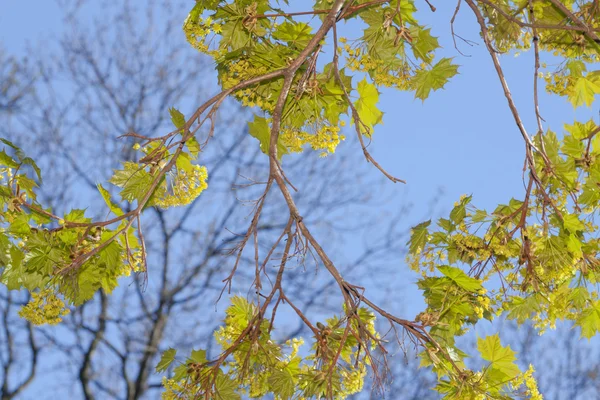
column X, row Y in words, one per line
column 423, row 43
column 225, row 388
column 7, row 161
column 261, row 130
column 576, row 68
column 578, row 297
column 77, row 215
column 89, row 280
column 521, row 308
column 134, row 180
column 29, row 161
column 446, row 224
column 14, row 275
column 433, row 79
column 110, row 256
column 131, row 239
column 240, row 312
column 459, row 212
column 572, row 147
column 27, row 184
column 200, row 7
column 180, row 372
column 20, row 154
column 282, row 383
column 502, row 358
column 572, row 223
column 579, row 130
column 589, row 321
column 574, row 246
column 39, row 217
column 590, row 195
column 418, row 237
column 567, row 171
column 295, row 34
column 479, row 216
column 193, row 146
column 5, row 193
column 551, row 145
column 106, row 196
column 42, row 258
column 168, row 356
column 198, row 357
column 177, row 118
column 366, row 105
column 583, row 92
column 461, row 279
column 19, row 226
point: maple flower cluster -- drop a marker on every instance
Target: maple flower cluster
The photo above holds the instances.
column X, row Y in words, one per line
column 359, row 60
column 326, row 138
column 44, row 308
column 186, row 187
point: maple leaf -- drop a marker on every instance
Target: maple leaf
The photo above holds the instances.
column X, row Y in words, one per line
column 435, row 78
column 583, row 92
column 366, row 105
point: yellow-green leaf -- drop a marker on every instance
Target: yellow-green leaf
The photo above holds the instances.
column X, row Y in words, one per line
column 366, row 105
column 583, row 92
column 261, row 130
column 435, row 78
column 418, row 237
column 461, row 279
column 106, row 196
column 589, row 321
column 502, row 358
column 168, row 356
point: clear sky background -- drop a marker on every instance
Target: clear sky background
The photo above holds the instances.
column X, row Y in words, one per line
column 462, row 139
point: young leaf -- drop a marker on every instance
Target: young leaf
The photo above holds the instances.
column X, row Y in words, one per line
column 423, row 43
column 178, row 120
column 106, row 196
column 479, row 216
column 29, row 161
column 168, row 356
column 583, row 92
column 459, row 212
column 261, row 130
column 7, row 161
column 295, row 34
column 282, row 383
column 572, row 223
column 461, row 279
column 366, row 106
column 427, row 80
column 589, row 321
column 20, row 154
column 134, row 180
column 180, row 372
column 502, row 358
column 418, row 237
column 177, row 117
column 225, row 388
column 198, row 356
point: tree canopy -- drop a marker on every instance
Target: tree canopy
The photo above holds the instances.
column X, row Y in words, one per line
column 530, row 259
